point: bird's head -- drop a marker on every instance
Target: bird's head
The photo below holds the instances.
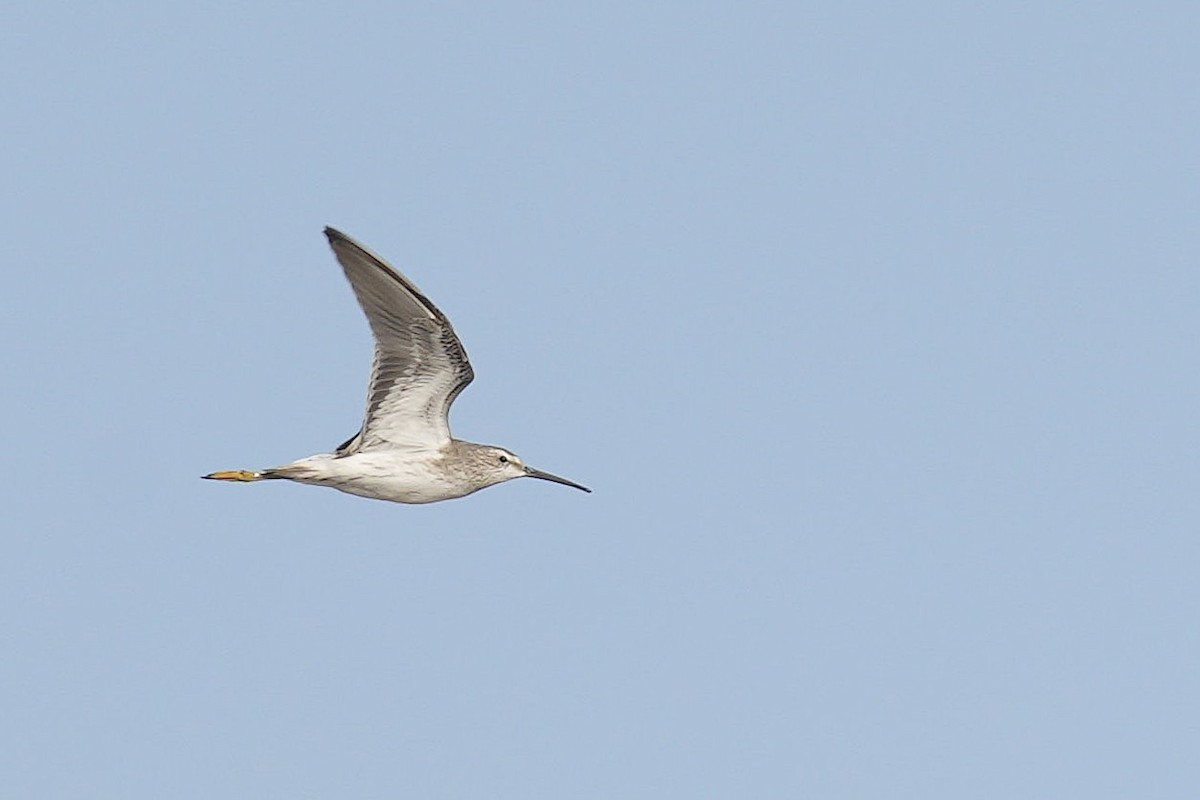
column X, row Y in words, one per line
column 503, row 465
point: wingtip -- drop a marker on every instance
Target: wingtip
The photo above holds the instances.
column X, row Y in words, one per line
column 332, row 233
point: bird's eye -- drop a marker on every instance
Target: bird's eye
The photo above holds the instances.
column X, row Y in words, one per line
column 503, row 459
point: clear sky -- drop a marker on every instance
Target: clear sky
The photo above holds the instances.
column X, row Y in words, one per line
column 873, row 326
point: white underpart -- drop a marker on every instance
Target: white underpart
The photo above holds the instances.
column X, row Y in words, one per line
column 396, row 475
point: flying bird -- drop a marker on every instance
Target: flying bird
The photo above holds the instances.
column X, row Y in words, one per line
column 404, row 451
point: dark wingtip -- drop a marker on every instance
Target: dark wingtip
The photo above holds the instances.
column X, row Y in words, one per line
column 332, row 233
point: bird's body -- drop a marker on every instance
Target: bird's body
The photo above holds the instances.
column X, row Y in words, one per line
column 402, row 476
column 404, row 451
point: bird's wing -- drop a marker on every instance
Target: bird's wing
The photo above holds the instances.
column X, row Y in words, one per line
column 420, row 365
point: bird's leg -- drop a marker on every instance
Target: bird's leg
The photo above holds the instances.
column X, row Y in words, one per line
column 236, row 475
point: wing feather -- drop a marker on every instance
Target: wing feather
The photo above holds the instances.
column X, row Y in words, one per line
column 419, row 367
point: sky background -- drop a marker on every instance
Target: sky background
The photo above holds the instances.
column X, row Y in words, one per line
column 872, row 326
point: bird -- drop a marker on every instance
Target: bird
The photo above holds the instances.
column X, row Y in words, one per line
column 403, row 452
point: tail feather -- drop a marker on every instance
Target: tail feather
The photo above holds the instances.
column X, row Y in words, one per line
column 242, row 475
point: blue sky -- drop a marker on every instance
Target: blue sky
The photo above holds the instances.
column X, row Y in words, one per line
column 873, row 328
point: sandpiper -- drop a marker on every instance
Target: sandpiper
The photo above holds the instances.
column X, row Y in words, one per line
column 404, row 451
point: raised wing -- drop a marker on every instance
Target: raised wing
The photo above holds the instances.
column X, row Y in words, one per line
column 420, row 365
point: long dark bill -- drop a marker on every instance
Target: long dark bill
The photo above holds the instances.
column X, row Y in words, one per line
column 546, row 476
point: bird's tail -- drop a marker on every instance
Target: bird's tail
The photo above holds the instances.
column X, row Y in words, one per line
column 241, row 475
